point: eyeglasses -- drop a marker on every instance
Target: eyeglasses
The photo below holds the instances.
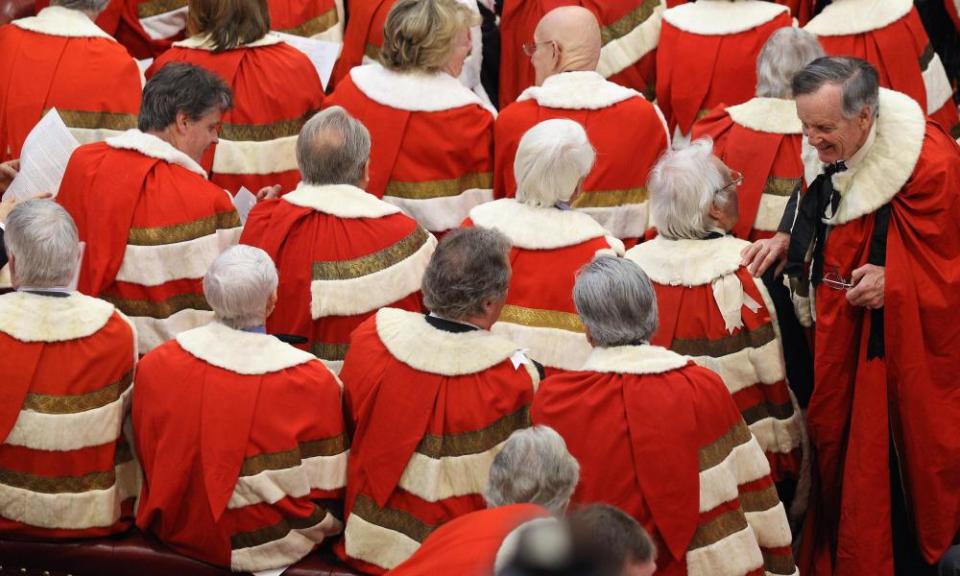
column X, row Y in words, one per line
column 834, row 279
column 530, row 48
column 736, row 179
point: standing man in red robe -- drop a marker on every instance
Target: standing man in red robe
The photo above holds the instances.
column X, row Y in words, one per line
column 342, row 253
column 151, row 221
column 881, row 216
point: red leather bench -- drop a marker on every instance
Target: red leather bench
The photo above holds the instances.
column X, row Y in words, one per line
column 133, row 554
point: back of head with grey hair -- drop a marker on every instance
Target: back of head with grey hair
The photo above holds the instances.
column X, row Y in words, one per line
column 238, row 285
column 857, row 79
column 469, row 267
column 181, row 87
column 785, row 53
column 683, row 186
column 333, row 148
column 92, row 6
column 552, row 159
column 42, row 239
column 534, row 467
column 616, row 302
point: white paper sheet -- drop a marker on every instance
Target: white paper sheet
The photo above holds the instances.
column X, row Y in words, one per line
column 244, row 201
column 43, row 158
column 274, row 572
column 144, row 64
column 323, row 54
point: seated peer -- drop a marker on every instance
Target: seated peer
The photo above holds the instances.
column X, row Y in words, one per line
column 240, row 435
column 342, row 253
column 152, row 238
column 550, row 243
column 429, row 402
column 531, row 478
column 660, row 438
column 66, row 366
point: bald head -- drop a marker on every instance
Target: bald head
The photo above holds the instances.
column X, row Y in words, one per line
column 571, row 36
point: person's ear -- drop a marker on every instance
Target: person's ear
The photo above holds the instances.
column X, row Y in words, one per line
column 182, row 122
column 365, row 180
column 716, row 212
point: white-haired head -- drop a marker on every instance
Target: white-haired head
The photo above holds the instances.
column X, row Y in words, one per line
column 786, row 52
column 41, row 240
column 240, row 286
column 534, row 467
column 552, row 160
column 684, row 185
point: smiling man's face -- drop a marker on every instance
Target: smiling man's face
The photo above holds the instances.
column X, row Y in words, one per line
column 834, row 136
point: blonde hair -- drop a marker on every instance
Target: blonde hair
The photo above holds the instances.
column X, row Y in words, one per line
column 419, row 34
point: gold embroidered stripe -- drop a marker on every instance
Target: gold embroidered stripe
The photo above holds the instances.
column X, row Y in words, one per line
column 609, row 198
column 157, row 7
column 264, row 132
column 724, row 525
column 277, row 531
column 726, row 345
column 328, row 351
column 703, row 112
column 316, row 25
column 780, row 186
column 97, row 120
column 714, row 453
column 159, row 310
column 372, row 52
column 163, row 235
column 391, row 519
column 375, row 262
column 778, row 563
column 767, row 410
column 537, row 318
column 927, row 57
column 759, row 500
column 476, row 442
column 58, row 484
column 634, row 18
column 291, row 458
column 438, row 188
column 64, row 404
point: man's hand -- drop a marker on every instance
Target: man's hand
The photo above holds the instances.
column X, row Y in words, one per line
column 760, row 255
column 8, row 171
column 269, row 192
column 868, row 286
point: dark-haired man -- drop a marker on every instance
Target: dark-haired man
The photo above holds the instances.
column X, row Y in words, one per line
column 151, row 221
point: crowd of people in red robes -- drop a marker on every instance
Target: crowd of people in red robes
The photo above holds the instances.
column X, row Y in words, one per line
column 482, row 287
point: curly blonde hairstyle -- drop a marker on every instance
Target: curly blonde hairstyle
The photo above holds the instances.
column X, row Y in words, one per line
column 419, row 34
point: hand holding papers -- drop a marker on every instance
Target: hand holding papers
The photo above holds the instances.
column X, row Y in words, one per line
column 244, row 201
column 43, row 158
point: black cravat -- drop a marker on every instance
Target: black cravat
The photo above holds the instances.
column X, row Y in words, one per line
column 809, row 227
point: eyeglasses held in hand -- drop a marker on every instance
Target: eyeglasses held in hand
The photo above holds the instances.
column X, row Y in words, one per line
column 834, row 279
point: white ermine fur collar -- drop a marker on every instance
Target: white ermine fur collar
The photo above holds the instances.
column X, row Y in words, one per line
column 578, row 91
column 771, row 115
column 154, row 147
column 35, row 318
column 644, row 359
column 60, row 21
column 203, row 42
column 414, row 91
column 901, row 126
column 533, row 228
column 239, row 351
column 721, row 17
column 846, row 17
column 688, row 262
column 340, row 200
column 412, row 340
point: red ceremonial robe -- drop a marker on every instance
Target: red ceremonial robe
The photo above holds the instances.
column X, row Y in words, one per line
column 549, row 245
column 629, row 32
column 910, row 394
column 148, row 27
column 241, row 439
column 429, row 410
column 66, row 364
column 61, row 59
column 890, row 36
column 661, row 439
column 763, row 139
column 275, row 91
column 342, row 254
column 318, row 19
column 432, row 152
column 953, row 8
column 713, row 311
column 708, row 55
column 151, row 239
column 615, row 191
column 469, row 545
